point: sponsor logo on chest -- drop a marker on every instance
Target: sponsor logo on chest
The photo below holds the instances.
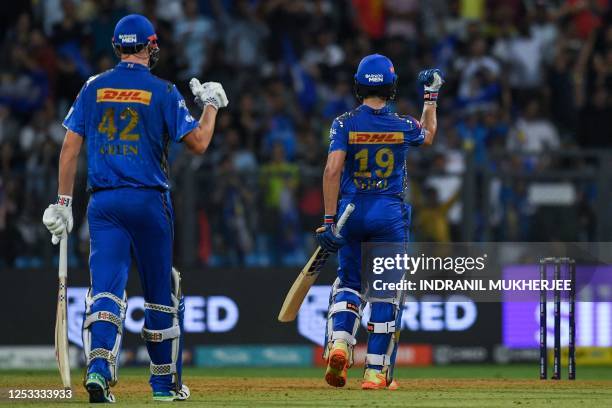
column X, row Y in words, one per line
column 123, row 95
column 376, row 137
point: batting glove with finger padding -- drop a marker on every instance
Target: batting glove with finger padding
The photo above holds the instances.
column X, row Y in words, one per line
column 432, row 81
column 208, row 93
column 58, row 218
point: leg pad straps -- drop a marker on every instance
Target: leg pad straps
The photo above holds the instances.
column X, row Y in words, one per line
column 104, row 316
column 163, row 369
column 161, row 308
column 157, row 336
column 102, row 353
column 343, row 335
column 378, row 359
column 381, row 328
column 345, row 306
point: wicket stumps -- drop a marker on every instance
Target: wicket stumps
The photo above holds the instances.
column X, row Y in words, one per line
column 570, row 265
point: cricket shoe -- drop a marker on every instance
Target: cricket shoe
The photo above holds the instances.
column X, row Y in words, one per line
column 374, row 379
column 337, row 364
column 98, row 389
column 169, row 396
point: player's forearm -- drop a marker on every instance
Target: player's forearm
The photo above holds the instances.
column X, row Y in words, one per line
column 67, row 174
column 207, row 124
column 68, row 161
column 432, row 82
column 331, row 188
column 331, row 180
column 203, row 134
column 429, row 122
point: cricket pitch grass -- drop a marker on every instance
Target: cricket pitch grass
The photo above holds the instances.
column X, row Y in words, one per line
column 451, row 386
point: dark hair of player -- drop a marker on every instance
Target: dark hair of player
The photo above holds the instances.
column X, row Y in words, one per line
column 382, row 91
column 151, row 47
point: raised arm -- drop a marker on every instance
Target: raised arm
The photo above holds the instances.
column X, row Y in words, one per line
column 429, row 122
column 211, row 97
column 197, row 140
column 432, row 81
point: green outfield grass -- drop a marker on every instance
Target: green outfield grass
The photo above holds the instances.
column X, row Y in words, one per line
column 452, row 386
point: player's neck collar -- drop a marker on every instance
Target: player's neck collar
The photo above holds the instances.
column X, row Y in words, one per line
column 366, row 108
column 132, row 65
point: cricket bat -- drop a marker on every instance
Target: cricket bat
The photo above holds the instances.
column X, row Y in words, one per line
column 61, row 326
column 308, row 276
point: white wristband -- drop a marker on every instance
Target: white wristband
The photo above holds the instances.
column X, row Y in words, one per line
column 64, row 201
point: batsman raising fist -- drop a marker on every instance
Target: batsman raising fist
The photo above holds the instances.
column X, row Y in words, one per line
column 127, row 117
column 366, row 167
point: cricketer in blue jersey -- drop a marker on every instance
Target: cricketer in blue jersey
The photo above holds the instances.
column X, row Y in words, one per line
column 366, row 167
column 127, row 117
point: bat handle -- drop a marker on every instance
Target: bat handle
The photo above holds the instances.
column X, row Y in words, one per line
column 344, row 217
column 63, row 257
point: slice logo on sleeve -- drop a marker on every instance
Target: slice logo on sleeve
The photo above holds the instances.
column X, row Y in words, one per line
column 376, row 137
column 123, row 95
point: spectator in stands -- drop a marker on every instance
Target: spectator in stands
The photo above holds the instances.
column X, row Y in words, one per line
column 24, row 86
column 279, row 180
column 233, row 199
column 522, row 55
column 281, row 123
column 403, row 18
column 102, row 26
column 431, row 220
column 561, row 88
column 477, row 62
column 248, row 120
column 473, row 134
column 194, row 34
column 533, row 132
column 244, row 34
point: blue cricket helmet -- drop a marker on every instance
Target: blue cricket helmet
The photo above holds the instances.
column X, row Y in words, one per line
column 132, row 34
column 375, row 76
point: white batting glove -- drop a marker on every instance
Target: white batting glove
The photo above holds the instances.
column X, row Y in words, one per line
column 58, row 218
column 208, row 93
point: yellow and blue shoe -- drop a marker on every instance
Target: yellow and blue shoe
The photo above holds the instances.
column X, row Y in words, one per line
column 337, row 364
column 98, row 389
column 374, row 379
column 169, row 396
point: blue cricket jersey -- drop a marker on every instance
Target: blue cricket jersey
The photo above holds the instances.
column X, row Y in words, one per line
column 128, row 116
column 375, row 142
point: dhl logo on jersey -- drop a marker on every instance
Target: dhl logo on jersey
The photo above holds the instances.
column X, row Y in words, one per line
column 376, row 137
column 123, row 95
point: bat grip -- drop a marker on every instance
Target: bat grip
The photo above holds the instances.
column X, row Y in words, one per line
column 344, row 217
column 63, row 257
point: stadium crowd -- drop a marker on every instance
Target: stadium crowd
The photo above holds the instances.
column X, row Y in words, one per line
column 526, row 78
